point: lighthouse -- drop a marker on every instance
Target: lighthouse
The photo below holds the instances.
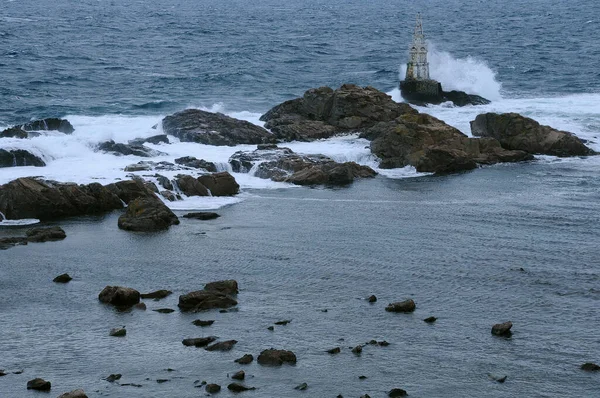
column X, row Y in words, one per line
column 420, row 89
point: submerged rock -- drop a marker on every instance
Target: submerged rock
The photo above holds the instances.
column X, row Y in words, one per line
column 237, row 387
column 113, row 377
column 39, row 385
column 119, row 296
column 6, row 243
column 194, row 125
column 118, row 332
column 147, row 215
column 502, row 329
column 282, row 164
column 157, row 295
column 199, row 342
column 273, row 357
column 19, row 157
column 335, row 350
column 323, row 112
column 301, row 387
column 430, row 319
column 63, row 278
column 202, row 215
column 517, row 132
column 590, row 367
column 222, row 346
column 430, row 145
column 201, row 323
column 401, row 306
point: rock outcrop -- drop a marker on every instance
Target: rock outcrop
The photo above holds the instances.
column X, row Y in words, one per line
column 147, row 215
column 194, row 163
column 430, row 145
column 155, row 139
column 324, row 112
column 45, row 234
column 401, row 306
column 194, row 125
column 228, row 286
column 282, row 164
column 119, row 296
column 19, row 157
column 46, row 200
column 50, row 124
column 128, row 149
column 517, row 132
column 215, row 184
column 205, row 300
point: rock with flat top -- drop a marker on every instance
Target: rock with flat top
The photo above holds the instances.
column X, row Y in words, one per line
column 39, row 385
column 401, row 306
column 229, row 286
column 147, row 215
column 273, row 357
column 63, row 278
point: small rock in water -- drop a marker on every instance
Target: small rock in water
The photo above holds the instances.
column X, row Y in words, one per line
column 282, row 323
column 273, row 357
column 140, row 306
column 18, row 372
column 431, row 319
column 397, row 392
column 213, row 388
column 39, row 385
column 201, row 323
column 113, row 377
column 590, row 367
column 45, row 234
column 164, row 310
column 159, row 294
column 357, row 350
column 401, row 306
column 222, row 346
column 118, row 332
column 372, row 342
column 203, row 215
column 2, row 373
column 502, row 329
column 160, row 381
column 499, row 379
column 372, row 299
column 64, row 278
column 335, row 350
column 271, row 328
column 237, row 387
column 383, row 343
column 74, row 394
column 362, row 377
column 245, row 360
column 199, row 342
column 239, row 375
column 119, row 296
column 301, row 387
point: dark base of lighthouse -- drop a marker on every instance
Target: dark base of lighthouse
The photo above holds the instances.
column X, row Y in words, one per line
column 423, row 92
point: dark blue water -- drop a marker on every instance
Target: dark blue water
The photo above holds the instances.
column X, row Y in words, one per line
column 139, row 57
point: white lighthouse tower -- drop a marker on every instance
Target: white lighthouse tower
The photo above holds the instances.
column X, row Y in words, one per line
column 418, row 67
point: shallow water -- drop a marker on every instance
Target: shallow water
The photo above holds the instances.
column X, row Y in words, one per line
column 455, row 244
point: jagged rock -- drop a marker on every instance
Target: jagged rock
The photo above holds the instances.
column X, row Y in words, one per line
column 55, row 124
column 19, row 157
column 372, row 299
column 240, row 375
column 335, row 350
column 401, row 306
column 113, row 377
column 158, row 294
column 590, row 367
column 14, row 132
column 502, row 329
column 45, row 234
column 128, row 149
column 229, row 286
column 205, row 300
column 195, row 163
column 63, row 278
column 323, row 112
column 170, row 196
column 499, row 379
column 222, row 346
column 119, row 296
column 430, row 145
column 202, row 215
column 220, row 184
column 282, row 164
column 155, row 139
column 460, row 98
column 273, row 357
column 357, row 350
column 517, row 132
column 147, row 215
column 39, row 385
column 245, row 359
column 74, row 394
column 129, row 190
column 236, row 387
column 194, row 125
column 164, row 182
column 397, row 392
column 190, row 186
column 199, row 342
column 46, row 200
column 213, row 388
column 201, row 323
column 118, row 332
